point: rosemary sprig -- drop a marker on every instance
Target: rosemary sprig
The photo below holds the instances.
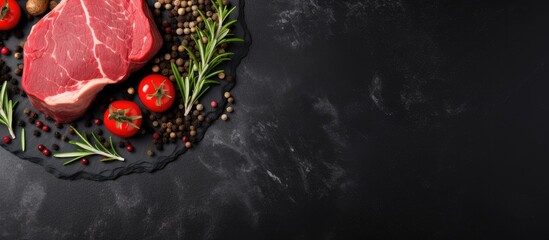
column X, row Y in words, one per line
column 201, row 68
column 86, row 148
column 6, row 109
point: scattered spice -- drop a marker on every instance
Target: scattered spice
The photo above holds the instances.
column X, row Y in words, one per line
column 224, row 117
column 46, row 152
column 5, row 51
column 6, row 139
column 130, row 148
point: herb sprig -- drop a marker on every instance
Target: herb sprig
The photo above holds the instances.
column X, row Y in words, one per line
column 201, row 69
column 6, row 109
column 86, row 148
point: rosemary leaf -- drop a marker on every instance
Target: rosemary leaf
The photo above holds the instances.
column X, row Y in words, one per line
column 6, row 109
column 202, row 67
column 23, row 140
column 86, row 148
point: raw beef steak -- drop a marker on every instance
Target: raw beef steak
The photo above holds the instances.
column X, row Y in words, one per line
column 80, row 47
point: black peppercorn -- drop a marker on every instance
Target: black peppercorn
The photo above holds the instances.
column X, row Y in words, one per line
column 98, row 131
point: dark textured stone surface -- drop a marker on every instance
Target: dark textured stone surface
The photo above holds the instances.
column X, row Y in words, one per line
column 375, row 119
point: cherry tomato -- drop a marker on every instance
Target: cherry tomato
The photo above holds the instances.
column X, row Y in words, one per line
column 10, row 13
column 156, row 92
column 123, row 118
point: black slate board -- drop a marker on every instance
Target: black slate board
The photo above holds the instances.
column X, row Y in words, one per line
column 138, row 161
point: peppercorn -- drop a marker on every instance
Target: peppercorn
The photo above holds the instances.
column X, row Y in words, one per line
column 65, row 138
column 221, row 75
column 230, row 109
column 224, row 117
column 150, row 153
column 45, row 128
column 39, row 124
column 26, row 111
column 199, row 107
column 200, row 118
column 192, row 133
column 230, row 100
column 227, row 94
column 55, row 147
column 57, row 135
column 98, row 131
column 7, row 139
column 213, row 104
column 159, row 146
column 36, row 133
column 130, row 148
column 46, row 152
column 84, row 161
column 188, row 144
column 97, row 121
column 5, row 51
column 20, row 123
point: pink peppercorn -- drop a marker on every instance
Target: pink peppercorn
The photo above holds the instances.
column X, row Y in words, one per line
column 5, row 51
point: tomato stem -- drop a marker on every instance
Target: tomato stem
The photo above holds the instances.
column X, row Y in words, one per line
column 120, row 116
column 159, row 93
column 5, row 10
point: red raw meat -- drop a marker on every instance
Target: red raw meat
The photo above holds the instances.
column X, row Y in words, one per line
column 80, row 47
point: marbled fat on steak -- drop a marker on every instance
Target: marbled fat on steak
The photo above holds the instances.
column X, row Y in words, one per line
column 80, row 47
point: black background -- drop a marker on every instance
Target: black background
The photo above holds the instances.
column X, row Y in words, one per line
column 379, row 119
